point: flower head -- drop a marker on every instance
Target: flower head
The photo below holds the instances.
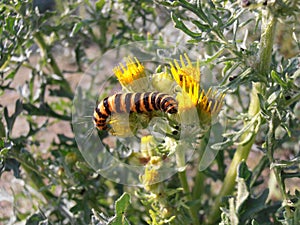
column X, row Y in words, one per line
column 130, row 75
column 208, row 103
column 187, row 71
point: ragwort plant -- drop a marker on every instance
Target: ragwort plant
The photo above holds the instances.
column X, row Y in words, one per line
column 238, row 42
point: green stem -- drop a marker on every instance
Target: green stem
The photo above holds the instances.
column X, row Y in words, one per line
column 200, row 177
column 180, row 158
column 199, row 185
column 277, row 170
column 242, row 152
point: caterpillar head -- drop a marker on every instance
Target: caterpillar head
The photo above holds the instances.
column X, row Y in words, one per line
column 172, row 107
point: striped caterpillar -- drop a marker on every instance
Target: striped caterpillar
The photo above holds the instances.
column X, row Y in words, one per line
column 132, row 102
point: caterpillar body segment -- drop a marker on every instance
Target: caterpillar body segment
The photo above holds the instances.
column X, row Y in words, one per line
column 132, row 102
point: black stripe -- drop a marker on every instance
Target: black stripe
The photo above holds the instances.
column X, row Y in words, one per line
column 106, row 106
column 137, row 102
column 146, row 102
column 172, row 109
column 100, row 114
column 153, row 97
column 128, row 102
column 158, row 100
column 117, row 102
column 95, row 119
column 164, row 101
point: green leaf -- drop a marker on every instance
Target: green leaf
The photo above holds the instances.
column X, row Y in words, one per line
column 244, row 172
column 277, row 78
column 266, row 113
column 253, row 222
column 257, row 207
column 100, row 4
column 180, row 25
column 273, row 97
column 9, row 22
column 222, row 145
column 122, row 203
column 37, row 219
column 76, row 28
column 1, row 145
column 201, row 26
column 120, row 208
column 244, row 175
column 11, row 75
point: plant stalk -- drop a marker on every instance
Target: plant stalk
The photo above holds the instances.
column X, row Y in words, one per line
column 277, row 170
column 262, row 68
column 200, row 177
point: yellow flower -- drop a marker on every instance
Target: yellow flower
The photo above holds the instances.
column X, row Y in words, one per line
column 187, row 72
column 211, row 101
column 130, row 75
column 207, row 104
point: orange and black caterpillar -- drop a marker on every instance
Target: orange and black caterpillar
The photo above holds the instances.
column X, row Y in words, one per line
column 132, row 102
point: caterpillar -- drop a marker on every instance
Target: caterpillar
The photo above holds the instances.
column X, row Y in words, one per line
column 132, row 102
